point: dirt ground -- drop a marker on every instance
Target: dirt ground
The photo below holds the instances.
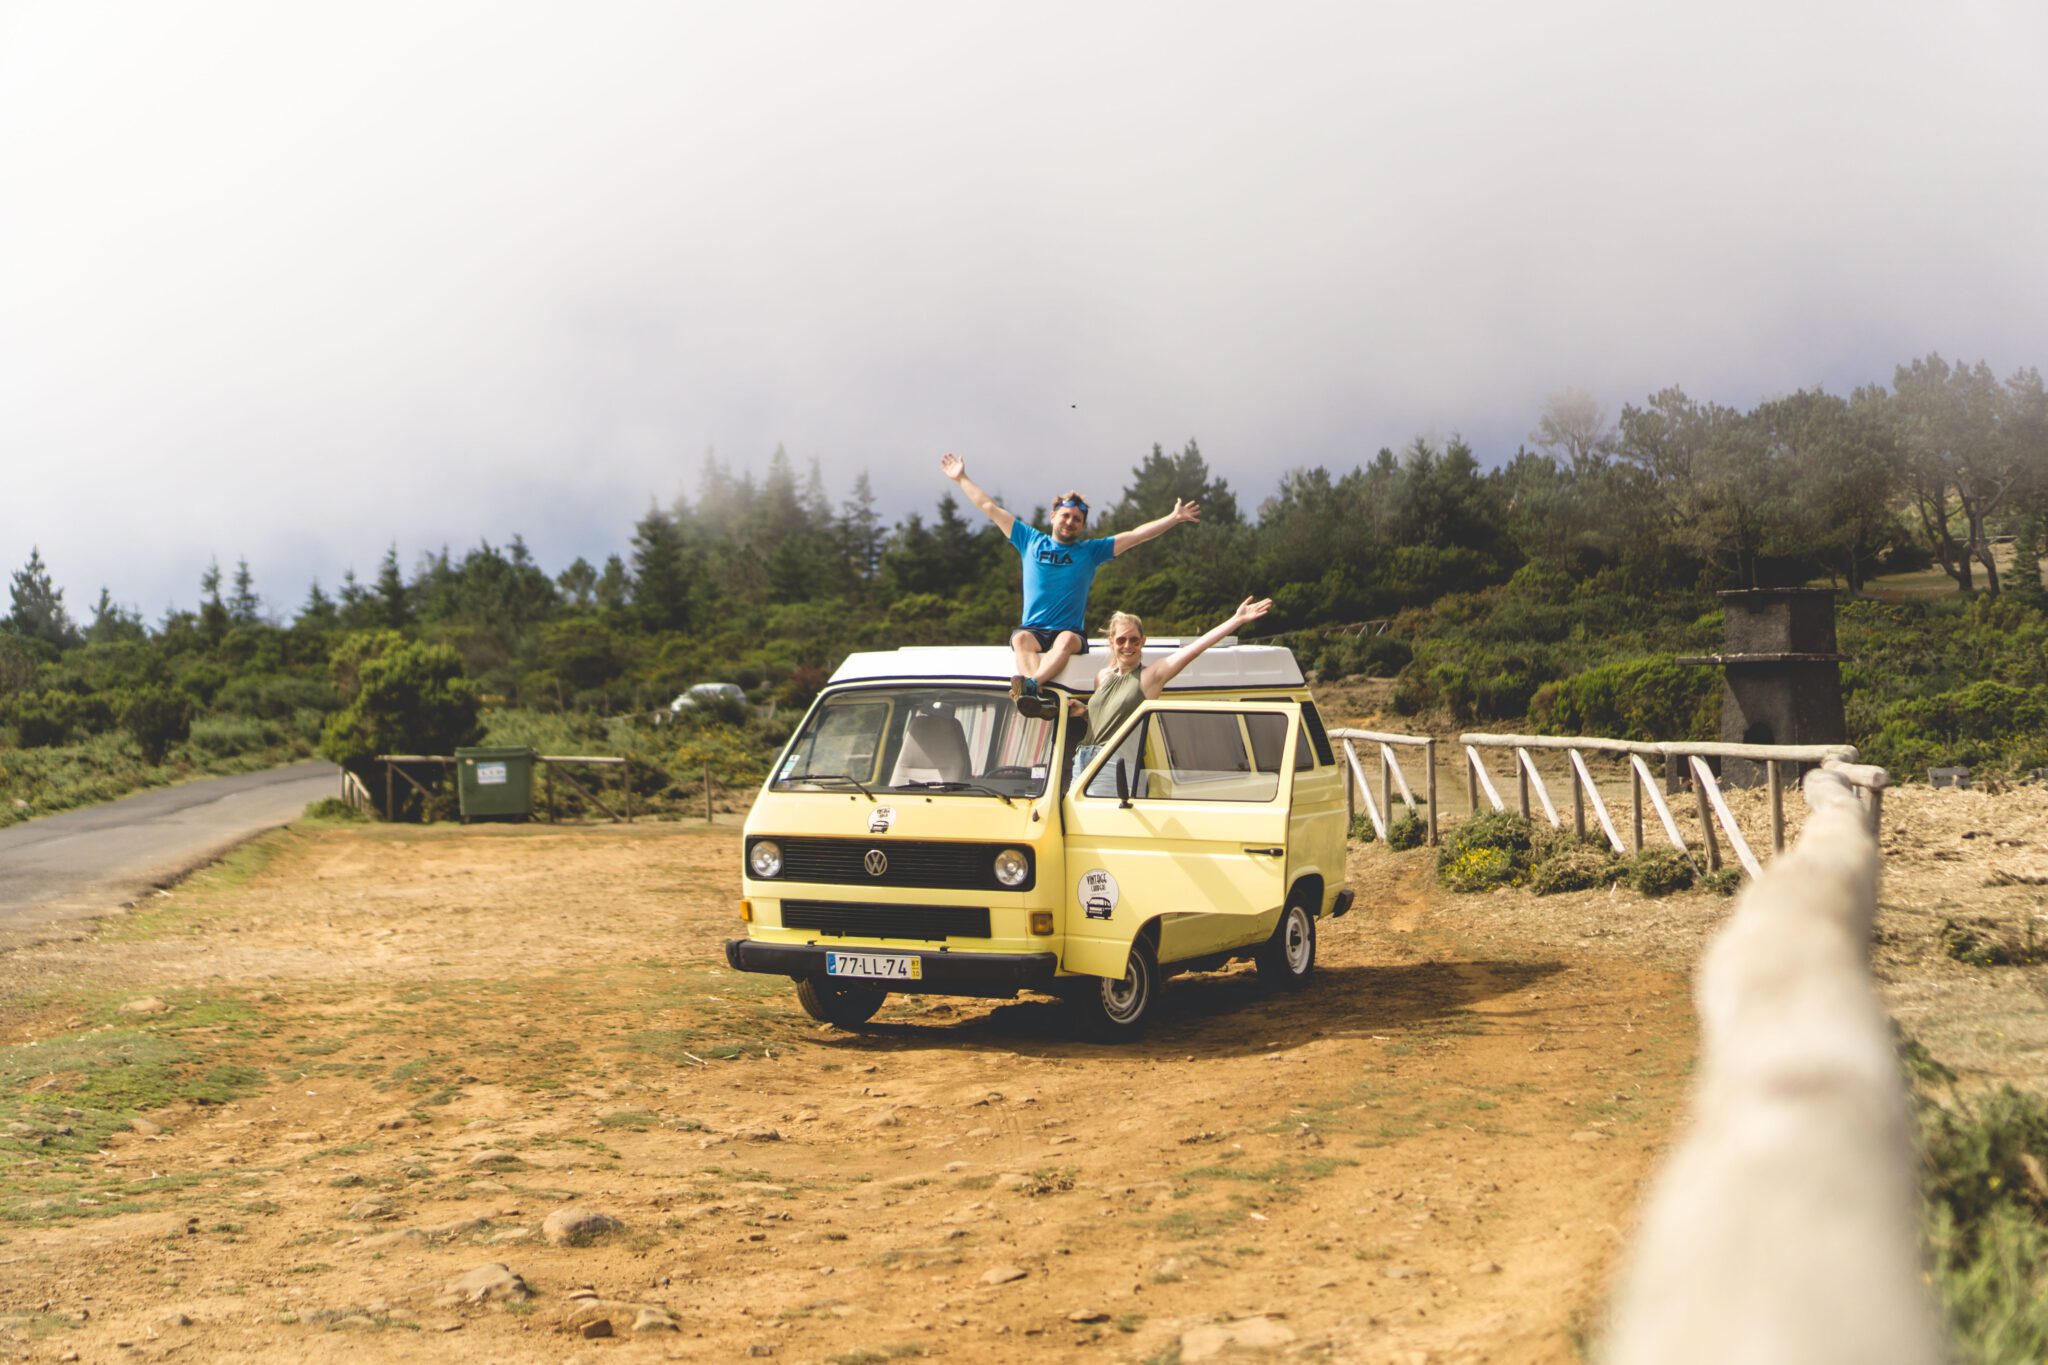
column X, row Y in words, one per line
column 424, row 1043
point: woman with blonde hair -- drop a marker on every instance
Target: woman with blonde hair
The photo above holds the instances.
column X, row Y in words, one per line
column 1129, row 681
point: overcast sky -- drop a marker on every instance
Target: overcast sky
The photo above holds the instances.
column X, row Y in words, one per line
column 293, row 282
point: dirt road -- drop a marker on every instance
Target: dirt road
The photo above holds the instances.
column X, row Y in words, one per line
column 419, row 1045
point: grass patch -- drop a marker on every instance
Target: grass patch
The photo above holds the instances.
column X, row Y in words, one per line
column 63, row 1097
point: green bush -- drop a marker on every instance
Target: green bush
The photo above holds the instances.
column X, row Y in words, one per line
column 409, row 699
column 1485, row 851
column 227, row 736
column 43, row 719
column 1987, row 1223
column 156, row 717
column 1362, row 830
column 1725, row 882
column 1573, row 864
column 1653, row 698
column 1478, row 869
column 1406, row 831
column 1659, row 871
column 334, row 808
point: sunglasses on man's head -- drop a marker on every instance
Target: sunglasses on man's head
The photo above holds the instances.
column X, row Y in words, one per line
column 1070, row 502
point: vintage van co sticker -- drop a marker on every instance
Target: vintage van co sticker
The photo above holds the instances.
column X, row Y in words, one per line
column 883, row 817
column 1098, row 894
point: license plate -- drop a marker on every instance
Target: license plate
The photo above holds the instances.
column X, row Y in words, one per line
column 879, row 966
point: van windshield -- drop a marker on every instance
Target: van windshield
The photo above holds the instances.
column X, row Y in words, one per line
column 966, row 741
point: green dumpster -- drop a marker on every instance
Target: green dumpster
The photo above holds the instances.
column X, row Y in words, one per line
column 495, row 783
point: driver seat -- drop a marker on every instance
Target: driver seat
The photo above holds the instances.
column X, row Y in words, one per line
column 934, row 750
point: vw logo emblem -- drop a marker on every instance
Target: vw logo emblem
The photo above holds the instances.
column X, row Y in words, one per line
column 877, row 862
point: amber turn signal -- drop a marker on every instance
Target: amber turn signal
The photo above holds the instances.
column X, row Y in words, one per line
column 747, row 911
column 1041, row 921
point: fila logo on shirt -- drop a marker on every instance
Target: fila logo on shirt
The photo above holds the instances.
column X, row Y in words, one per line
column 1048, row 555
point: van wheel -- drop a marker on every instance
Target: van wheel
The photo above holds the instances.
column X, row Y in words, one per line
column 1121, row 1008
column 1289, row 957
column 834, row 1002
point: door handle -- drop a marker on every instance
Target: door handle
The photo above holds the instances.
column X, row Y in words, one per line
column 1269, row 852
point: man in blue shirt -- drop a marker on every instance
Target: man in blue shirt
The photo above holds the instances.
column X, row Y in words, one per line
column 1058, row 571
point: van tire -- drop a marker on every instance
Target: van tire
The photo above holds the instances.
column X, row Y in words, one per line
column 1289, row 957
column 835, row 1002
column 1120, row 1009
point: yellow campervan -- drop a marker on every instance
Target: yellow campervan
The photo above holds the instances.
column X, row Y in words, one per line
column 919, row 835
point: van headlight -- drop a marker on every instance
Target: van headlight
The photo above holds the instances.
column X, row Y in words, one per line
column 1012, row 867
column 765, row 858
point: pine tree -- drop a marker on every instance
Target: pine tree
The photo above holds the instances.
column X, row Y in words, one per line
column 245, row 608
column 394, row 606
column 319, row 613
column 39, row 605
column 213, row 613
column 112, row 623
column 860, row 532
column 614, row 585
column 578, row 582
column 661, row 576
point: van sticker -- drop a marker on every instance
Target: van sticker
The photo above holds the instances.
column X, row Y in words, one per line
column 1098, row 894
column 1038, row 770
column 883, row 817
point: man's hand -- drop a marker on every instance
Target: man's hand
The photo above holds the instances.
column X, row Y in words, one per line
column 1186, row 511
column 952, row 466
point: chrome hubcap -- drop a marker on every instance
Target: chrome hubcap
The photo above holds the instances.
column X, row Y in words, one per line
column 1123, row 999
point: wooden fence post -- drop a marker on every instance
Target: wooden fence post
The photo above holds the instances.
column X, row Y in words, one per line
column 390, row 796
column 1429, row 759
column 1777, row 783
column 707, row 794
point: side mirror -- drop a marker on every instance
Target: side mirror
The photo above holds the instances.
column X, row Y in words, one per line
column 1123, row 786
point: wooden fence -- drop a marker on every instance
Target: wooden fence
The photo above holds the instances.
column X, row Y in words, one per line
column 1785, row 1225
column 1717, row 822
column 1356, row 786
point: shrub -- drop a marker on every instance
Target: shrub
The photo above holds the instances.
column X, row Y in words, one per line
column 411, row 699
column 1477, row 869
column 1362, row 830
column 230, row 736
column 1987, row 1203
column 1653, row 698
column 1406, row 831
column 1573, row 864
column 44, row 719
column 334, row 808
column 1660, row 871
column 733, row 757
column 1725, row 882
column 157, row 717
column 1485, row 851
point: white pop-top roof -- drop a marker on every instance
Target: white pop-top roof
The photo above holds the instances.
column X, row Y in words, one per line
column 1226, row 665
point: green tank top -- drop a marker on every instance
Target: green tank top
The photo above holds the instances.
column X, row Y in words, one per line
column 1118, row 695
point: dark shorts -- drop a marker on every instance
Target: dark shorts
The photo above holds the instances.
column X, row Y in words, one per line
column 1046, row 637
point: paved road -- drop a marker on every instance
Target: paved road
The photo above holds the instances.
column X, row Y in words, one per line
column 86, row 862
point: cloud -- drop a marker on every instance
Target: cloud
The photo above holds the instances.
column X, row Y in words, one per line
column 297, row 283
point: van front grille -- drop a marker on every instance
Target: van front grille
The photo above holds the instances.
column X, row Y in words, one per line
column 852, row 919
column 927, row 864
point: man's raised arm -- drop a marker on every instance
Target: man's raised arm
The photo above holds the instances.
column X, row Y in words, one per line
column 1182, row 511
column 955, row 468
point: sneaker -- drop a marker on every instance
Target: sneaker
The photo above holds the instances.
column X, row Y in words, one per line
column 1038, row 707
column 1021, row 686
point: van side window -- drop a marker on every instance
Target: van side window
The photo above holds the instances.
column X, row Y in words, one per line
column 1320, row 738
column 1126, row 753
column 1268, row 734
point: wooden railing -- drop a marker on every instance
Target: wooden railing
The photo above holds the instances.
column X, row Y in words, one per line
column 1717, row 822
column 1391, row 778
column 354, row 794
column 1785, row 1225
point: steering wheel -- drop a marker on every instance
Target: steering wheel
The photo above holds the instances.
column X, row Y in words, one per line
column 1010, row 771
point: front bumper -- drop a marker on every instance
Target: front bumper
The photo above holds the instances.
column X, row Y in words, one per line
column 998, row 975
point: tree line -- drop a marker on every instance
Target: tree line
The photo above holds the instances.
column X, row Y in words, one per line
column 1594, row 529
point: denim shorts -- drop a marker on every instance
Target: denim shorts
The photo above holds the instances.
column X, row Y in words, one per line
column 1046, row 637
column 1083, row 756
